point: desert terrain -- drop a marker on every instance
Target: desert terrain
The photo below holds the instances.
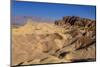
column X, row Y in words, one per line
column 70, row 39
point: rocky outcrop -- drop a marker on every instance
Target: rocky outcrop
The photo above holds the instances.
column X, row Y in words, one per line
column 82, row 44
column 75, row 20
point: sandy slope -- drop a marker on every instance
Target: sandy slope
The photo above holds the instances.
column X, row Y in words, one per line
column 38, row 43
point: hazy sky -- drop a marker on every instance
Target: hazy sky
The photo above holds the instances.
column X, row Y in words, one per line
column 52, row 11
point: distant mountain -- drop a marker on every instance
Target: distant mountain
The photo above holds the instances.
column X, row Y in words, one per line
column 20, row 20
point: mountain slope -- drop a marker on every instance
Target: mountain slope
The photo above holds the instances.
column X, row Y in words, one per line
column 39, row 43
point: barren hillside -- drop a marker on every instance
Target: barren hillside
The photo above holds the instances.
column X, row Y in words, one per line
column 71, row 39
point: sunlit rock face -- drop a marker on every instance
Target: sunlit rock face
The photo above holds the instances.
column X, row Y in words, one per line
column 71, row 39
